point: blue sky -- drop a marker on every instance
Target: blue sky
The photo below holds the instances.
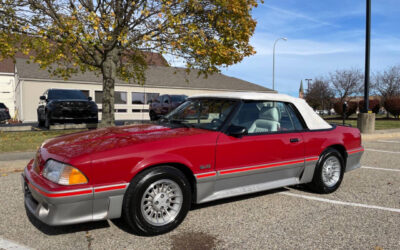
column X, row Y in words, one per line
column 323, row 36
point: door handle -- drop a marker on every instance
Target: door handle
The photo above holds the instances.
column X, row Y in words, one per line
column 293, row 140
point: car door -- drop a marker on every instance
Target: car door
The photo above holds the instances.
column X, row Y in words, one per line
column 271, row 154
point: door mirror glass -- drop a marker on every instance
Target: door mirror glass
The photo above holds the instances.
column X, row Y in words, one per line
column 237, row 131
column 42, row 97
column 89, row 98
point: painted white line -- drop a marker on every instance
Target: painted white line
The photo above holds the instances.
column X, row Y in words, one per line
column 384, row 169
column 9, row 245
column 382, row 151
column 389, row 141
column 396, row 210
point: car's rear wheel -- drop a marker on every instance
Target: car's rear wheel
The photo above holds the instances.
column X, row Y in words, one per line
column 329, row 172
column 157, row 201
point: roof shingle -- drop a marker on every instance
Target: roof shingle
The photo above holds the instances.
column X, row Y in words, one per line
column 156, row 76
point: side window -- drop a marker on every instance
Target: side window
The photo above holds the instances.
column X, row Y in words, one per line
column 265, row 117
column 285, row 121
column 295, row 119
column 165, row 99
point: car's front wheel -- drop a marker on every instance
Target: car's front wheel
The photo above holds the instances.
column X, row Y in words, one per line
column 157, row 200
column 47, row 121
column 329, row 172
column 152, row 115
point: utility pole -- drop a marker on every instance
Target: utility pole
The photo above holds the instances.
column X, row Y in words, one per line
column 308, row 83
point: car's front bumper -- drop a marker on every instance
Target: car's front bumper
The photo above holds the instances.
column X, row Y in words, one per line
column 72, row 206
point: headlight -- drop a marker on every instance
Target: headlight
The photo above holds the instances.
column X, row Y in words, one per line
column 63, row 174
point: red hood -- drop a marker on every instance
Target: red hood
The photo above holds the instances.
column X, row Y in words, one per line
column 84, row 143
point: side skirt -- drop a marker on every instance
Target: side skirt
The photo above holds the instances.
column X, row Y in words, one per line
column 228, row 183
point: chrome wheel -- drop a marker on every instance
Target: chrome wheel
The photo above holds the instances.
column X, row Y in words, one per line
column 161, row 202
column 331, row 171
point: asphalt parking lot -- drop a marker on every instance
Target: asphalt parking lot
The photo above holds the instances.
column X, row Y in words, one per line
column 363, row 214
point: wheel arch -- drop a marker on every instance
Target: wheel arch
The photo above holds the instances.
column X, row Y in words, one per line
column 184, row 168
column 341, row 149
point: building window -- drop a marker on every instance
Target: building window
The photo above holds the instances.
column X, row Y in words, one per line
column 98, row 97
column 143, row 98
column 121, row 110
column 151, row 97
column 138, row 98
column 119, row 97
column 140, row 110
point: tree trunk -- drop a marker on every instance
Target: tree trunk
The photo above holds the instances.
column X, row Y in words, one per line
column 109, row 71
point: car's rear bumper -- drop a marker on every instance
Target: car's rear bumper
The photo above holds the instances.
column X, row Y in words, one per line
column 354, row 158
column 72, row 206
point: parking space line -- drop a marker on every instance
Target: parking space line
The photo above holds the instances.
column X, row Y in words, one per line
column 388, row 141
column 382, row 151
column 9, row 245
column 384, row 169
column 351, row 204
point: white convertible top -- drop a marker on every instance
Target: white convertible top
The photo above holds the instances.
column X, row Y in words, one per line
column 313, row 121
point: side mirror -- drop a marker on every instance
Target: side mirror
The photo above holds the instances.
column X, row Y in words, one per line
column 237, row 131
column 90, row 98
column 42, row 98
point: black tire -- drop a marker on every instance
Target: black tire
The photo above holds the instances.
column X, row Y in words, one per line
column 40, row 122
column 152, row 115
column 131, row 209
column 47, row 121
column 318, row 185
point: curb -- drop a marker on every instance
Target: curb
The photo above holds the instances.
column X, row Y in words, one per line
column 377, row 135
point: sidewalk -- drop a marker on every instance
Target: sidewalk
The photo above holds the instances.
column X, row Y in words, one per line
column 14, row 161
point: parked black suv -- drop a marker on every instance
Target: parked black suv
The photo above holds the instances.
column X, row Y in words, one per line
column 64, row 105
column 4, row 114
column 165, row 104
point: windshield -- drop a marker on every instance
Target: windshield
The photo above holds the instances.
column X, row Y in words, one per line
column 66, row 94
column 207, row 114
column 178, row 98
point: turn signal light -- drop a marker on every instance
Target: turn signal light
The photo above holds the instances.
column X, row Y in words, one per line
column 63, row 174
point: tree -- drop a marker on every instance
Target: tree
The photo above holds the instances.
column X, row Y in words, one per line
column 387, row 84
column 320, row 94
column 392, row 105
column 350, row 109
column 108, row 37
column 346, row 83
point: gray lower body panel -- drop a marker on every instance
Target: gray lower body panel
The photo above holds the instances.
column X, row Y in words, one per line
column 353, row 161
column 229, row 185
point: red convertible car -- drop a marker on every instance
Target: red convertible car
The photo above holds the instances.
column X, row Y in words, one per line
column 211, row 147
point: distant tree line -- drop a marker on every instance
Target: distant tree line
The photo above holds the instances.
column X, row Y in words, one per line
column 340, row 86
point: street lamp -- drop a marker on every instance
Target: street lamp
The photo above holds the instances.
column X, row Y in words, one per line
column 273, row 61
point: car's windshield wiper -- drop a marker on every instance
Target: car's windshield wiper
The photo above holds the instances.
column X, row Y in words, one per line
column 180, row 122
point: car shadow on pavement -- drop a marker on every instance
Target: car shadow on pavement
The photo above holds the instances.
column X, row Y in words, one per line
column 124, row 227
column 56, row 230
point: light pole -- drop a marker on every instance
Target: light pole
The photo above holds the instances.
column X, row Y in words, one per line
column 308, row 83
column 273, row 61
